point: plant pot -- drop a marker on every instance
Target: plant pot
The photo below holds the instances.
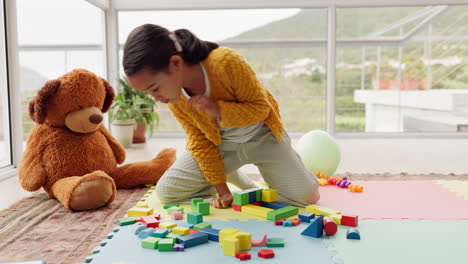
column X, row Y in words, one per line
column 122, row 130
column 139, row 134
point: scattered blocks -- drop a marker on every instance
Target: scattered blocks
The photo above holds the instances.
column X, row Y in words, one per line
column 275, row 242
column 139, row 229
column 306, row 216
column 274, row 205
column 243, row 256
column 353, row 234
column 266, row 253
column 126, row 221
column 150, row 242
column 177, row 215
column 269, row 195
column 166, row 244
column 160, row 232
column 181, row 230
column 225, row 233
column 201, row 226
column 349, row 220
column 329, row 226
column 287, row 223
column 315, row 229
column 237, row 207
column 192, row 231
column 174, row 209
column 194, row 218
column 173, row 235
column 150, row 221
column 282, row 213
column 261, row 242
column 279, row 222
column 178, row 247
column 167, row 225
column 195, row 201
column 213, row 234
column 193, row 239
column 166, row 206
column 139, row 211
column 203, row 208
column 255, row 210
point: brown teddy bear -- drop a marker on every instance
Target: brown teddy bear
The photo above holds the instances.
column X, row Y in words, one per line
column 71, row 154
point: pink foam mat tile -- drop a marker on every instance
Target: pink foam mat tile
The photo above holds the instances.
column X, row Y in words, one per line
column 396, row 200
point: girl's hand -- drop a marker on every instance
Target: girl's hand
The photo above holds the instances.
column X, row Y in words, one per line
column 224, row 201
column 205, row 104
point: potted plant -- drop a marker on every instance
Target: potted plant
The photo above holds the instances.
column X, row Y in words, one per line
column 414, row 74
column 131, row 113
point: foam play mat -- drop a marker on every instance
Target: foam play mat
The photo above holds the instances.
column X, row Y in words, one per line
column 399, row 222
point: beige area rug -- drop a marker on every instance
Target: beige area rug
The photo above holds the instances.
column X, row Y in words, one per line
column 39, row 228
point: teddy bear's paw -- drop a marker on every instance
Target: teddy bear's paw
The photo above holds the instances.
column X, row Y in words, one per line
column 95, row 190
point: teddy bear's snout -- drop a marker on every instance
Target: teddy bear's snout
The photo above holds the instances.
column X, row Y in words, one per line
column 95, row 119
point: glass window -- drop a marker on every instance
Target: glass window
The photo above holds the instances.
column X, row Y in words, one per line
column 5, row 142
column 405, row 70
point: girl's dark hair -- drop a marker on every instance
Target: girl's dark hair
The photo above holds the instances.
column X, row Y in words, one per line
column 150, row 46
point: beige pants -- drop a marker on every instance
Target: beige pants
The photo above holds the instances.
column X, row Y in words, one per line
column 280, row 166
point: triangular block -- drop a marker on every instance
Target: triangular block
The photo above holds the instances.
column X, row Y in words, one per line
column 315, row 229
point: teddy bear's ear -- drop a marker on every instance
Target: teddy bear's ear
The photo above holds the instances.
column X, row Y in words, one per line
column 38, row 105
column 110, row 94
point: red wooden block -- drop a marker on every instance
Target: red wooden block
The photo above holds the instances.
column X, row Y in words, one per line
column 329, row 226
column 193, row 231
column 236, row 207
column 279, row 222
column 296, row 221
column 157, row 216
column 259, row 203
column 150, row 221
column 266, row 253
column 349, row 220
column 243, row 256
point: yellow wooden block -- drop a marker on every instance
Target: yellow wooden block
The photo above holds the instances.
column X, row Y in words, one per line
column 225, row 233
column 336, row 218
column 245, row 240
column 167, row 225
column 311, row 208
column 139, row 211
column 255, row 210
column 142, row 204
column 269, row 195
column 181, row 230
column 325, row 211
column 231, row 246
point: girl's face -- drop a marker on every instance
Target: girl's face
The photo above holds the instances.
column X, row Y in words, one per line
column 164, row 87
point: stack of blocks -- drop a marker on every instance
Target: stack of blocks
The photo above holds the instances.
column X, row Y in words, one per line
column 262, row 203
column 200, row 206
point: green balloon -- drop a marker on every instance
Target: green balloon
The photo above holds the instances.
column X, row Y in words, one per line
column 319, row 152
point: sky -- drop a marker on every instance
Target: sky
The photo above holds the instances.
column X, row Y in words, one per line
column 79, row 22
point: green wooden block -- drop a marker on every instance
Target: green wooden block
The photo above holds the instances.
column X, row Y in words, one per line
column 275, row 242
column 173, row 235
column 195, row 201
column 194, row 218
column 282, row 213
column 259, row 195
column 201, row 226
column 150, row 242
column 166, row 244
column 126, row 221
column 241, row 198
column 174, row 209
column 203, row 208
column 166, row 206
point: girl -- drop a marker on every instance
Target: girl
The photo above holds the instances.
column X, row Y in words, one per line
column 229, row 118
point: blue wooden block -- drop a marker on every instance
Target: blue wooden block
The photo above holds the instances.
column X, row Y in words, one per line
column 213, row 234
column 139, row 229
column 193, row 239
column 160, row 232
column 274, row 205
column 287, row 223
column 353, row 233
column 252, row 197
column 315, row 229
column 306, row 216
column 184, row 224
column 146, row 233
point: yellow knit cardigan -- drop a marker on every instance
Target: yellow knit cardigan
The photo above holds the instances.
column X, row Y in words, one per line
column 242, row 100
